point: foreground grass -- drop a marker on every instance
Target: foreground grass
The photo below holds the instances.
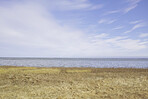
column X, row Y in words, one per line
column 73, row 83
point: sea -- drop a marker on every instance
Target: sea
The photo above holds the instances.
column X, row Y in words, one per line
column 76, row 62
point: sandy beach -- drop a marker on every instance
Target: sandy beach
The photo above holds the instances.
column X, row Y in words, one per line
column 73, row 83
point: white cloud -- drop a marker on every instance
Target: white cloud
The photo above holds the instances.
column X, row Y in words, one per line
column 118, row 27
column 135, row 22
column 99, row 6
column 126, row 43
column 136, row 26
column 102, row 21
column 102, row 35
column 118, row 46
column 132, row 5
column 132, row 2
column 130, row 8
column 30, row 29
column 112, row 12
column 142, row 35
column 73, row 5
column 106, row 21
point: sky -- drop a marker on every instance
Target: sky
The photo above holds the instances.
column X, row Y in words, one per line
column 73, row 28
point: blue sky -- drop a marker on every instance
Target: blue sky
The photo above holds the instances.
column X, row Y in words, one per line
column 73, row 28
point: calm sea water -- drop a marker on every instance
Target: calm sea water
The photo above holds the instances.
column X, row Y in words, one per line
column 77, row 62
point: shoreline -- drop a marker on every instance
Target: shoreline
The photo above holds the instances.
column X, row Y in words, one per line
column 75, row 67
column 91, row 69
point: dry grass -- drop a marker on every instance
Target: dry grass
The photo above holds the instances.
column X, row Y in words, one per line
column 73, row 83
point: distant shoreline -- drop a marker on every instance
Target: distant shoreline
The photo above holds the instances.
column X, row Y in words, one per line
column 76, row 57
column 8, row 66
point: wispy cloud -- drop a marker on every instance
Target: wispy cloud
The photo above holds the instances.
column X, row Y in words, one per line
column 73, row 5
column 126, row 43
column 113, row 12
column 122, row 43
column 136, row 26
column 126, row 10
column 118, row 27
column 106, row 21
column 135, row 22
column 132, row 4
column 94, row 7
column 102, row 35
column 143, row 35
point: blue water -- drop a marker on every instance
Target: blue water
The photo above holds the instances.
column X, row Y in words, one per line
column 77, row 62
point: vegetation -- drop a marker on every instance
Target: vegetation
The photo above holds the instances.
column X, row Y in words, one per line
column 73, row 83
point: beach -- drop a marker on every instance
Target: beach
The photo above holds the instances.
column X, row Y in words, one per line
column 73, row 83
